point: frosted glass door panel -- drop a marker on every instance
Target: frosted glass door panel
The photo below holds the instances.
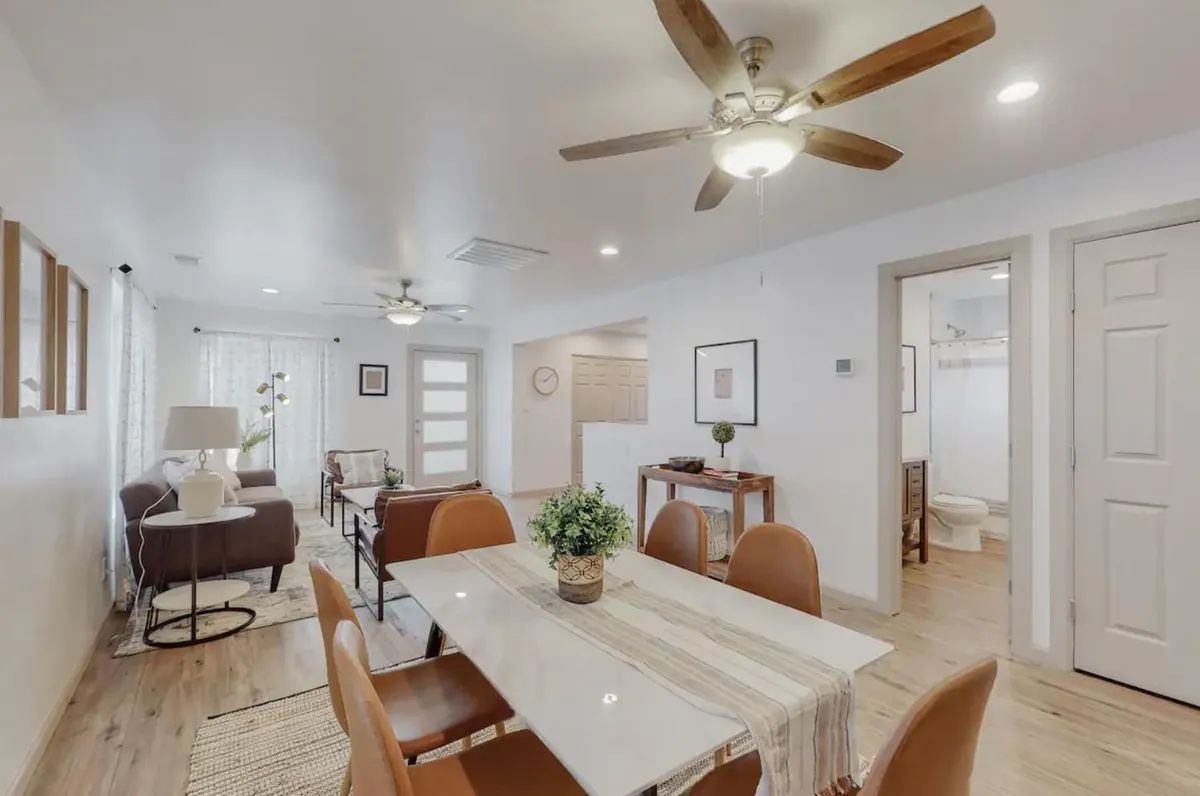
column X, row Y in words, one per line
column 437, row 402
column 439, row 462
column 445, row 431
column 445, row 412
column 444, row 371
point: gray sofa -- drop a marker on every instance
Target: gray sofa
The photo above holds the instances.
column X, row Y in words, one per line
column 268, row 539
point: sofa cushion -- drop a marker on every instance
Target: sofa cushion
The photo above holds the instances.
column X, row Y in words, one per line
column 257, row 494
column 139, row 495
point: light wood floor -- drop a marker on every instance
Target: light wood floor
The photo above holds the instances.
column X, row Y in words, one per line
column 130, row 726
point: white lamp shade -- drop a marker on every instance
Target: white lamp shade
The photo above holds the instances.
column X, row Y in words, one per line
column 193, row 428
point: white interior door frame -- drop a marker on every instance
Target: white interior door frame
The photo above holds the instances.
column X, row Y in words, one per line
column 411, row 401
column 1061, row 651
column 1020, row 402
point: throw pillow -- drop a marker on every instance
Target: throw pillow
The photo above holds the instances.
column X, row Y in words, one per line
column 219, row 465
column 360, row 469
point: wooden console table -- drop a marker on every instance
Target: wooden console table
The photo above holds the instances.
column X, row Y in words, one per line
column 739, row 487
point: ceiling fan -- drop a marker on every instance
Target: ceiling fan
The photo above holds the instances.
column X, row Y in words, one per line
column 755, row 126
column 404, row 310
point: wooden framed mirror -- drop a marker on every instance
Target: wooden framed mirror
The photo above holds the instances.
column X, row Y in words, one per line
column 27, row 319
column 71, row 355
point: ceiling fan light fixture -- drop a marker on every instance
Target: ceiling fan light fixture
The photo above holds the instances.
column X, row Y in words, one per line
column 757, row 150
column 405, row 316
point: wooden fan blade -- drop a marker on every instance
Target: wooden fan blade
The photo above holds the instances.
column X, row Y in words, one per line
column 450, row 316
column 849, row 149
column 389, row 300
column 715, row 188
column 705, row 46
column 344, row 304
column 893, row 63
column 448, row 307
column 631, row 143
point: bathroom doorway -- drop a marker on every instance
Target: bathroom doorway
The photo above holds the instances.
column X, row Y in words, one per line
column 955, row 440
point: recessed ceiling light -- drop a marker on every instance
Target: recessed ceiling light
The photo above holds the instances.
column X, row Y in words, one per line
column 270, row 290
column 1001, row 275
column 609, row 699
column 609, row 251
column 1017, row 92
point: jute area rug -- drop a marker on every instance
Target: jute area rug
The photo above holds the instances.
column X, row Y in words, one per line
column 293, row 600
column 294, row 747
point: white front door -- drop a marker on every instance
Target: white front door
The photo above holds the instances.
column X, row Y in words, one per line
column 444, row 410
column 1137, row 444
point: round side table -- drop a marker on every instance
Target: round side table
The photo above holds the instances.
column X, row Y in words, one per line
column 200, row 597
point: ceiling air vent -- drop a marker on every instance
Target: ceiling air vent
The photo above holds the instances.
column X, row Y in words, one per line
column 187, row 260
column 494, row 254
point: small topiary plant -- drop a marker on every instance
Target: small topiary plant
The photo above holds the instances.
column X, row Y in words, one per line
column 723, row 434
column 580, row 522
column 392, row 477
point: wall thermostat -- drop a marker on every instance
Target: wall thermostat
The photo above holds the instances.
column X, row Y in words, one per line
column 843, row 367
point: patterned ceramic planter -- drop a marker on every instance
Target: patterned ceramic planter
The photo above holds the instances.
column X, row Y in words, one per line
column 580, row 578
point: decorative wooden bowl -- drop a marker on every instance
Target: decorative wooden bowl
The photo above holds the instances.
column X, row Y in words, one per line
column 686, row 464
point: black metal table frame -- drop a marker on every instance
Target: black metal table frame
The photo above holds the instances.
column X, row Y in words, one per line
column 152, row 613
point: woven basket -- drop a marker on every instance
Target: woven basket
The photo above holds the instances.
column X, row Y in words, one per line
column 580, row 578
column 718, row 532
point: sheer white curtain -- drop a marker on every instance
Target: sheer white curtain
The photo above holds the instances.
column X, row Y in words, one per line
column 136, row 443
column 968, row 419
column 234, row 365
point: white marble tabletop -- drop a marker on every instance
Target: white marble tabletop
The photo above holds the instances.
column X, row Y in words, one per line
column 616, row 731
column 177, row 519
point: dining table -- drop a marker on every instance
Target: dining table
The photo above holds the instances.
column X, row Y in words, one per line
column 616, row 729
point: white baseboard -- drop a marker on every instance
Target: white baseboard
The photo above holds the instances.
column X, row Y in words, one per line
column 50, row 723
column 854, row 601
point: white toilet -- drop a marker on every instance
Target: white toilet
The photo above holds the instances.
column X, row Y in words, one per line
column 956, row 522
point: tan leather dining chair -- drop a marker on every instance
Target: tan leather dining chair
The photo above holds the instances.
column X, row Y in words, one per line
column 778, row 562
column 931, row 752
column 429, row 704
column 467, row 522
column 679, row 536
column 517, row 764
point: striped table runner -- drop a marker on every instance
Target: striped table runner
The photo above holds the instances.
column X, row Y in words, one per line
column 800, row 711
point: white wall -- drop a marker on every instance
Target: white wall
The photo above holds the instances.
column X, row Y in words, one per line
column 541, row 453
column 354, row 421
column 817, row 301
column 56, row 476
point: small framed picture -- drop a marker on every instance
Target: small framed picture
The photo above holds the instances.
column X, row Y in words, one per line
column 726, row 383
column 908, row 379
column 372, row 379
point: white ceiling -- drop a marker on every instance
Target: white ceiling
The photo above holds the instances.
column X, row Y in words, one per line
column 328, row 148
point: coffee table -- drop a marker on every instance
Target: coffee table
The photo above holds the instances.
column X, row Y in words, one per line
column 363, row 498
column 200, row 597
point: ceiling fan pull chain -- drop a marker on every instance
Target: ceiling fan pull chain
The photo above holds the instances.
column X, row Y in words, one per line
column 761, row 210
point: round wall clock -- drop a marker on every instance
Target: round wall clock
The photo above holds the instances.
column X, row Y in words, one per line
column 545, row 380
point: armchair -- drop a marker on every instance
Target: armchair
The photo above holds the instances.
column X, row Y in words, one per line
column 333, row 480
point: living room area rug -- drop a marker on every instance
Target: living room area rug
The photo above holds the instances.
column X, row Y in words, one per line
column 294, row 747
column 293, row 600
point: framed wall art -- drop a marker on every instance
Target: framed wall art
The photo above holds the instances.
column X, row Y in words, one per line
column 726, row 382
column 27, row 318
column 908, row 379
column 71, row 357
column 373, row 380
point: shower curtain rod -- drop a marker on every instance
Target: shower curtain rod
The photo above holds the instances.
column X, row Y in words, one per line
column 1000, row 339
column 198, row 330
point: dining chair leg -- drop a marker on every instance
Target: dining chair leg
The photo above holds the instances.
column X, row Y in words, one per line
column 719, row 757
column 501, row 730
column 345, row 789
column 468, row 742
column 433, row 645
column 651, row 791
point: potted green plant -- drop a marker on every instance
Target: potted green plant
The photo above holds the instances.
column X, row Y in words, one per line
column 580, row 529
column 252, row 436
column 723, row 433
column 392, row 477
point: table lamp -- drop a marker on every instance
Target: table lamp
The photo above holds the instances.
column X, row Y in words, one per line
column 201, row 428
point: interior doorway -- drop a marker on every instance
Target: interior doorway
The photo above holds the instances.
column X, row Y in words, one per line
column 954, row 458
column 562, row 383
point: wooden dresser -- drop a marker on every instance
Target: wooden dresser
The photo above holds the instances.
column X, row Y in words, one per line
column 913, row 522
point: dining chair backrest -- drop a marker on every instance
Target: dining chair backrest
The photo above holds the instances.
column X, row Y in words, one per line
column 933, row 749
column 376, row 766
column 333, row 607
column 467, row 522
column 778, row 562
column 679, row 536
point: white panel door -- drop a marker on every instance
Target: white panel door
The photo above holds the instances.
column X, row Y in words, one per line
column 1137, row 476
column 604, row 389
column 444, row 401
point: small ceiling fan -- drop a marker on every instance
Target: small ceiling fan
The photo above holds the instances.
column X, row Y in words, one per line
column 404, row 310
column 755, row 125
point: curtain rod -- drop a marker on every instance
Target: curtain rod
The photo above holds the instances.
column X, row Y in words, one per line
column 198, row 330
column 998, row 339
